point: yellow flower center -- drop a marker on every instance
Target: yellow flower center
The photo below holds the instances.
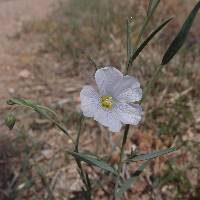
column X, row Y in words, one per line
column 106, row 102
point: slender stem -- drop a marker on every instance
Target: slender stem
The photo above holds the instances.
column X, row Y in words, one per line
column 79, row 132
column 125, row 136
column 92, row 61
column 120, row 164
column 82, row 174
column 56, row 122
column 146, row 21
column 149, row 7
column 129, row 23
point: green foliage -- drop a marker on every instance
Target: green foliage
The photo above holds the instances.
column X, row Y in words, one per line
column 93, row 160
column 181, row 36
column 150, row 12
column 10, row 121
column 152, row 7
column 129, row 25
column 148, row 156
column 148, row 39
column 130, row 181
column 42, row 110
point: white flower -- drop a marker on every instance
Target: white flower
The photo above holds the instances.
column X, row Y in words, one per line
column 113, row 104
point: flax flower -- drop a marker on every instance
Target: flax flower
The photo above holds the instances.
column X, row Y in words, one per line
column 114, row 104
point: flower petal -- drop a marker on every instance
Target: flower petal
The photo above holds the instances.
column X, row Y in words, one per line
column 129, row 114
column 130, row 95
column 128, row 90
column 106, row 78
column 114, row 122
column 89, row 101
column 108, row 118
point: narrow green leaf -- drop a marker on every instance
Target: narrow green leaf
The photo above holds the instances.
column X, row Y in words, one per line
column 152, row 10
column 130, row 181
column 92, row 160
column 181, row 36
column 148, row 39
column 47, row 109
column 153, row 4
column 151, row 155
column 29, row 103
column 42, row 110
column 16, row 101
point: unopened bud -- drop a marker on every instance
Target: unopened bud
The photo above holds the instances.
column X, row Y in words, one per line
column 10, row 121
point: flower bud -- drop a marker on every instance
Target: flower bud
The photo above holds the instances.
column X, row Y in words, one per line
column 10, row 121
column 10, row 102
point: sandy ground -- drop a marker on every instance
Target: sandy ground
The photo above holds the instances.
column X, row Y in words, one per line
column 13, row 48
column 13, row 14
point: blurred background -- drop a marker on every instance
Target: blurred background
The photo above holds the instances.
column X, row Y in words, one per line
column 44, row 50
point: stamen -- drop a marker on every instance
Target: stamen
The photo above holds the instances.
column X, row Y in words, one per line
column 106, row 102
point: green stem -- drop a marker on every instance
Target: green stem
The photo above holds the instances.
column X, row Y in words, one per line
column 149, row 7
column 78, row 162
column 146, row 21
column 79, row 132
column 120, row 164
